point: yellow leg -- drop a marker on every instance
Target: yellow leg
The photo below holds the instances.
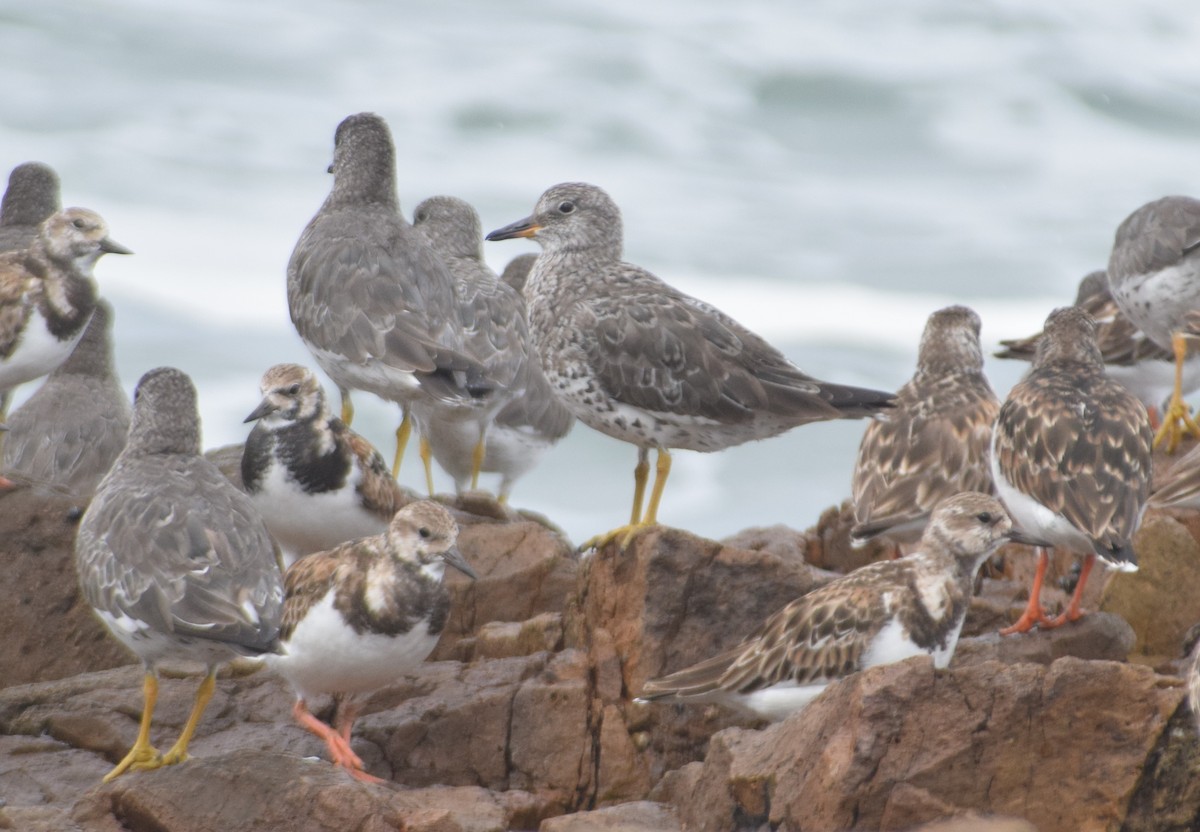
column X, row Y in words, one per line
column 204, row 693
column 402, row 434
column 625, row 534
column 477, row 460
column 641, row 473
column 143, row 755
column 1177, row 421
column 662, row 470
column 347, row 406
column 426, row 452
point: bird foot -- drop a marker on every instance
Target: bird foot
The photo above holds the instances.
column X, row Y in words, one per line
column 139, row 758
column 1065, row 618
column 1034, row 616
column 622, row 535
column 1177, row 423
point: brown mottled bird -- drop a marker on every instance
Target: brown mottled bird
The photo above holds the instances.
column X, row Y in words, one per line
column 884, row 612
column 937, row 440
column 636, row 359
column 359, row 616
column 316, row 482
column 1071, row 457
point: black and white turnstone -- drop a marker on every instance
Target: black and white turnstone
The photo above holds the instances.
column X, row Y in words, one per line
column 174, row 559
column 935, row 442
column 371, row 301
column 638, row 360
column 47, row 295
column 1154, row 273
column 1071, row 458
column 360, row 616
column 32, row 196
column 493, row 327
column 1130, row 358
column 884, row 612
column 69, row 432
column 316, row 482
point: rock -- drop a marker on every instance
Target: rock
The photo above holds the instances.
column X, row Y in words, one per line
column 504, row 639
column 1162, row 599
column 1098, row 635
column 1060, row 746
column 636, row 816
column 908, row 805
column 50, row 632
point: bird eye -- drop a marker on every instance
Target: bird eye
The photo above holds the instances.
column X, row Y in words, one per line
column 424, row 532
column 294, row 389
column 984, row 517
column 78, row 223
column 566, row 207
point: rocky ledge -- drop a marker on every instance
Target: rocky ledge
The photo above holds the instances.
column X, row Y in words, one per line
column 523, row 717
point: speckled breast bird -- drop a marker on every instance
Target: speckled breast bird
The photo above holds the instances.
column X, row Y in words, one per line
column 638, row 360
column 360, row 616
column 1071, row 458
column 174, row 559
column 32, row 195
column 47, row 295
column 371, row 301
column 1154, row 274
column 1130, row 358
column 884, row 612
column 70, row 432
column 937, row 440
column 316, row 482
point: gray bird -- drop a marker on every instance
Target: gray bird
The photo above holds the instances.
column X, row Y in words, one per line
column 371, row 301
column 32, row 196
column 636, row 359
column 69, row 432
column 174, row 559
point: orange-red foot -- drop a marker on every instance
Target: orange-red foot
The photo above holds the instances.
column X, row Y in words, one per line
column 1034, row 616
column 1066, row 617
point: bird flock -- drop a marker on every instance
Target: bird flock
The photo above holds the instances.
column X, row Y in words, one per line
column 311, row 556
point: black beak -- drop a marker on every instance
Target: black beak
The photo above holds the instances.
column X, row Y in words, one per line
column 521, row 228
column 455, row 558
column 113, row 247
column 264, row 408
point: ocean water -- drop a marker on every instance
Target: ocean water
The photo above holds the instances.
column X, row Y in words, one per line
column 829, row 173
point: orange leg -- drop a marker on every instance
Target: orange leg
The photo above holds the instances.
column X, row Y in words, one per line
column 338, row 744
column 1034, row 615
column 1155, row 418
column 1072, row 612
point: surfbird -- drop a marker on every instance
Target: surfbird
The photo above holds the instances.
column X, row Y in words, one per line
column 32, row 195
column 936, row 441
column 884, row 612
column 1154, row 273
column 70, row 431
column 315, row 481
column 360, row 616
column 639, row 360
column 175, row 560
column 1071, row 458
column 371, row 301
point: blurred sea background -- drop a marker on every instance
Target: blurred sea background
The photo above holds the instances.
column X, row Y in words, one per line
column 829, row 173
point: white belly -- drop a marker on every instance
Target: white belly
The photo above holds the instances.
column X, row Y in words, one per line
column 324, row 655
column 37, row 354
column 1037, row 520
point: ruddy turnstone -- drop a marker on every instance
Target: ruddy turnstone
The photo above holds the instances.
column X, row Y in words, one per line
column 935, row 442
column 467, row 440
column 47, row 295
column 1154, row 273
column 636, row 359
column 175, row 560
column 32, row 196
column 359, row 616
column 69, row 432
column 316, row 482
column 1130, row 358
column 1180, row 487
column 884, row 612
column 369, row 298
column 1071, row 458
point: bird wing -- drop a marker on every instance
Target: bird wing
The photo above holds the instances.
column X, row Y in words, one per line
column 16, row 302
column 380, row 492
column 1155, row 236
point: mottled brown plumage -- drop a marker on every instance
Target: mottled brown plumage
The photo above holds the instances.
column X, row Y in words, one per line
column 937, row 439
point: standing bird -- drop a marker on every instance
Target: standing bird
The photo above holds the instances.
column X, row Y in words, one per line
column 369, row 298
column 491, row 316
column 47, row 295
column 937, row 440
column 359, row 616
column 884, row 612
column 1071, row 458
column 32, row 196
column 636, row 359
column 70, row 432
column 174, row 559
column 316, row 482
column 1154, row 273
column 1130, row 358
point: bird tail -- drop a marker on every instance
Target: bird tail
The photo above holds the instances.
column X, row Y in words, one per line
column 1119, row 556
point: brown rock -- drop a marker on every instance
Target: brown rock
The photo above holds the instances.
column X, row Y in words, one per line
column 1098, row 635
column 50, row 631
column 636, row 816
column 908, row 805
column 504, row 639
column 1162, row 599
column 1062, row 747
